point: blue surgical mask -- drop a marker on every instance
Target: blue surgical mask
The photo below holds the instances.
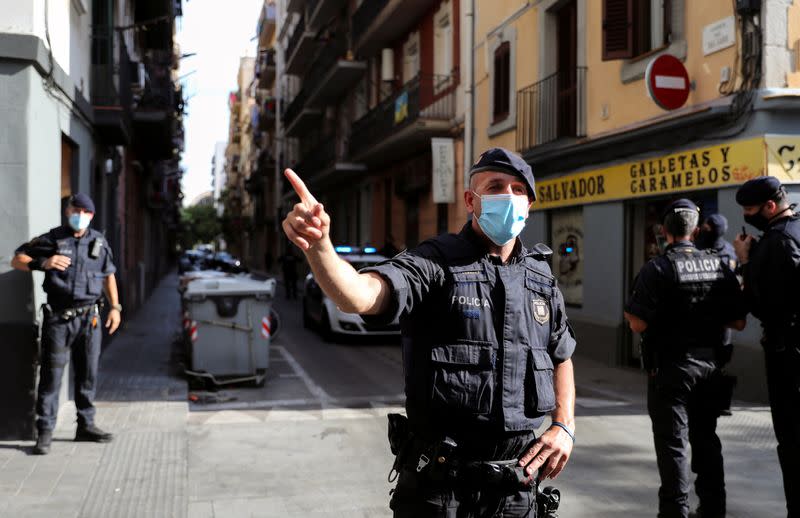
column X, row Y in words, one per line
column 79, row 221
column 502, row 216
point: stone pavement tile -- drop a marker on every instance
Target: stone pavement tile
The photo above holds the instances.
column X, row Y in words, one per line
column 142, row 474
column 201, row 510
column 269, row 507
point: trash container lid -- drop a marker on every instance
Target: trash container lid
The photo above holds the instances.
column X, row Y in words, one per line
column 241, row 285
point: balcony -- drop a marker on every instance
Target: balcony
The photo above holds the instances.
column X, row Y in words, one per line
column 552, row 109
column 111, row 89
column 265, row 68
column 319, row 12
column 377, row 22
column 266, row 115
column 332, row 74
column 299, row 117
column 295, row 6
column 300, row 49
column 422, row 108
column 325, row 164
column 266, row 25
column 154, row 116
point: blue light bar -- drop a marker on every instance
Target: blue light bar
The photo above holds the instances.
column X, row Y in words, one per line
column 343, row 249
column 370, row 250
column 570, row 249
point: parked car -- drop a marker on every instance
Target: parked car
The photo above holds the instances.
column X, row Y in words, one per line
column 192, row 261
column 225, row 262
column 320, row 312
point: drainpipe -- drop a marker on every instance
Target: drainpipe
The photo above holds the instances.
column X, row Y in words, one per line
column 469, row 95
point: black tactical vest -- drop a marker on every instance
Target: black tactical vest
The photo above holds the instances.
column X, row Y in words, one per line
column 693, row 311
column 476, row 354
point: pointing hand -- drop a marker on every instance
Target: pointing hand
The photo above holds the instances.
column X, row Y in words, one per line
column 307, row 224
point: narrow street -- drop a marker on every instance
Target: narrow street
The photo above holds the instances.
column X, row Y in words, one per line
column 312, row 441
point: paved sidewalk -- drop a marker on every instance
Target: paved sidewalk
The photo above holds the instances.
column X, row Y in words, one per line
column 143, row 472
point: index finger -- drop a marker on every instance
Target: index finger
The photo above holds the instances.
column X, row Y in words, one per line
column 300, row 188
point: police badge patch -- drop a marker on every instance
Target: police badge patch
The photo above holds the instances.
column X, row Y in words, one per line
column 541, row 311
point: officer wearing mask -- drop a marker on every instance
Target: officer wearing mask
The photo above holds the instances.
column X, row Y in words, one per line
column 771, row 272
column 77, row 266
column 486, row 348
column 712, row 237
column 682, row 301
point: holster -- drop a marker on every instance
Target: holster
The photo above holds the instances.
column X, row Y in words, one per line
column 400, row 439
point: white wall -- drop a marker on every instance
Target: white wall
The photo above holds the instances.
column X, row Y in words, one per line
column 69, row 31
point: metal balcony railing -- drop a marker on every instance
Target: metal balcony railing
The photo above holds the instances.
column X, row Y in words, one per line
column 299, row 29
column 111, row 71
column 159, row 92
column 318, row 157
column 425, row 96
column 365, row 15
column 331, row 53
column 296, row 106
column 553, row 108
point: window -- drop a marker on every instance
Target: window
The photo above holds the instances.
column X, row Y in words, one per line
column 632, row 28
column 502, row 82
column 442, row 46
column 411, row 57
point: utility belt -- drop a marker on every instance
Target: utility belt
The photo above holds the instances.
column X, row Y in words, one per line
column 654, row 356
column 68, row 314
column 438, row 463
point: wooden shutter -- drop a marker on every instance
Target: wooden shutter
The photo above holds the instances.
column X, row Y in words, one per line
column 617, row 29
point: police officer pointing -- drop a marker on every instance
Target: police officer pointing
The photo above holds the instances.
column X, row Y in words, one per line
column 77, row 265
column 682, row 301
column 771, row 271
column 486, row 348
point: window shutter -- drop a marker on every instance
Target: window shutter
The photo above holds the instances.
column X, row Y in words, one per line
column 617, row 29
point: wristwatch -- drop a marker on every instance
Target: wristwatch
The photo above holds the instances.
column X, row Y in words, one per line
column 118, row 307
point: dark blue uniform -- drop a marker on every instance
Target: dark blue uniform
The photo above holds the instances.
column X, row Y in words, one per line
column 67, row 327
column 480, row 340
column 772, row 284
column 686, row 296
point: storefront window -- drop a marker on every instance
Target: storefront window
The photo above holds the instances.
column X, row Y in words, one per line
column 566, row 231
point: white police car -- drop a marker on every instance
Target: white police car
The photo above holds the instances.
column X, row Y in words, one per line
column 320, row 312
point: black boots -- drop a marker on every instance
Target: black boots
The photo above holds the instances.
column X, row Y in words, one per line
column 43, row 442
column 91, row 433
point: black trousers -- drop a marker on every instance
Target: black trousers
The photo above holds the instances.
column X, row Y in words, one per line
column 783, row 385
column 417, row 497
column 683, row 411
column 60, row 339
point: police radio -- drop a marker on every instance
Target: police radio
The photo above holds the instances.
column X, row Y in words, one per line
column 95, row 248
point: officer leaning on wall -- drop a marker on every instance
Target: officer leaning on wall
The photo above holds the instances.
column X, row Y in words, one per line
column 771, row 272
column 682, row 301
column 78, row 267
column 486, row 348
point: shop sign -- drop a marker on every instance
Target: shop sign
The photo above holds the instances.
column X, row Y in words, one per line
column 710, row 167
column 783, row 157
column 443, row 181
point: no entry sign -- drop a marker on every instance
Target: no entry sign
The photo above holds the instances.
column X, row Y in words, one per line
column 667, row 82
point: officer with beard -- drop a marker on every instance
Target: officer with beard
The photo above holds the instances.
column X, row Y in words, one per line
column 771, row 271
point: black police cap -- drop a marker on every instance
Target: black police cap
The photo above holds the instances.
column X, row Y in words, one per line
column 679, row 205
column 758, row 190
column 718, row 224
column 81, row 201
column 505, row 161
